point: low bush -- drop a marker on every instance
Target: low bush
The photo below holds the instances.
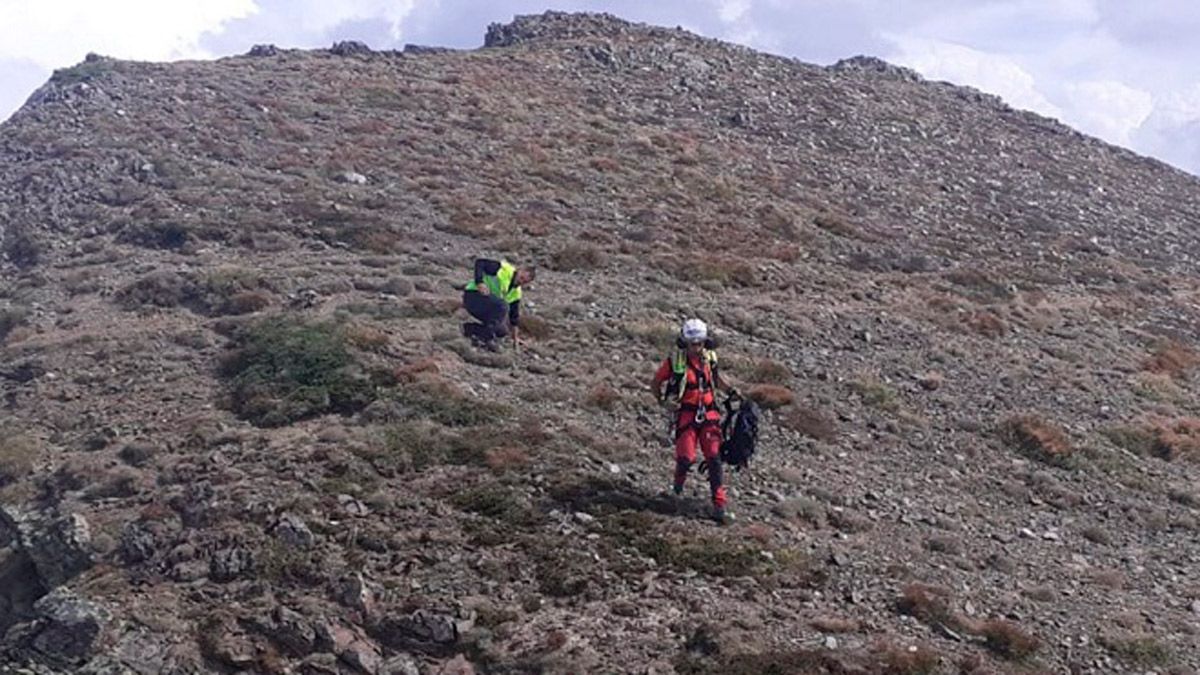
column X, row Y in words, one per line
column 1172, row 358
column 810, row 422
column 602, row 397
column 284, row 370
column 21, row 247
column 575, row 257
column 11, row 318
column 767, row 371
column 17, row 455
column 1137, row 649
column 1007, row 639
column 876, row 394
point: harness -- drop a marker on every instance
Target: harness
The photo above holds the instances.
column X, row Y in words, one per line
column 704, row 377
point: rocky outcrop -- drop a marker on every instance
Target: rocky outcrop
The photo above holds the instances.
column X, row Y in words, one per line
column 39, row 551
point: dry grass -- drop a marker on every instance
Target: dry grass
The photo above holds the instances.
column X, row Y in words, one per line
column 365, row 337
column 602, row 396
column 1007, row 639
column 505, row 458
column 1171, row 358
column 248, row 302
column 987, row 324
column 767, row 371
column 834, row 624
column 771, row 396
column 1038, row 439
column 10, row 319
column 1177, row 439
column 930, row 604
column 535, row 327
column 17, row 455
column 576, row 257
column 1167, row 439
column 1137, row 649
column 933, row 605
column 912, row 660
column 810, row 422
column 876, row 393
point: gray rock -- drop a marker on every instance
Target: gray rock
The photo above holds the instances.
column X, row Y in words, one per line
column 293, row 531
column 68, row 625
column 400, row 665
column 420, row 629
column 357, row 593
column 138, row 542
column 362, row 656
column 349, row 48
column 352, row 178
column 288, row 629
column 228, row 564
column 263, row 50
column 59, row 546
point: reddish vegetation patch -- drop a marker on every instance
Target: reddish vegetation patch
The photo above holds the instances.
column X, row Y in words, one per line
column 602, row 396
column 1177, row 439
column 505, row 457
column 1172, row 358
column 1037, row 438
column 771, row 396
column 1008, row 639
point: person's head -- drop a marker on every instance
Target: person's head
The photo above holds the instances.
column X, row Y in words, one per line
column 526, row 275
column 694, row 335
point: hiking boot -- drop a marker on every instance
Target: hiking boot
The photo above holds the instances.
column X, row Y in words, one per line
column 722, row 517
column 676, row 489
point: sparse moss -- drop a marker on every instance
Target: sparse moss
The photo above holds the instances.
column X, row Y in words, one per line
column 876, row 394
column 498, row 502
column 1137, row 649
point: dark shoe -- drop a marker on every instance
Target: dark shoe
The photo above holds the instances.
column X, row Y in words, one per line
column 722, row 517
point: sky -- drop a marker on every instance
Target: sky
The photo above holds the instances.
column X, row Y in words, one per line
column 1121, row 70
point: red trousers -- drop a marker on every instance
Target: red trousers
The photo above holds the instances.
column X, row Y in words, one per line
column 707, row 435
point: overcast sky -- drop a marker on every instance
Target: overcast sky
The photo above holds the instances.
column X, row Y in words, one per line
column 1123, row 70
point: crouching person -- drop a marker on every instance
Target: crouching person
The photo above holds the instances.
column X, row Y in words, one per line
column 493, row 298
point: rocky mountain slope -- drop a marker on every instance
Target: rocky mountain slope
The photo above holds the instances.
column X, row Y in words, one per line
column 241, row 432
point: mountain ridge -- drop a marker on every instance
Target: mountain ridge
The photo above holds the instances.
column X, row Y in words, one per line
column 971, row 327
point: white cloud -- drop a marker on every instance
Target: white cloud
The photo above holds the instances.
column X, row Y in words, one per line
column 732, row 11
column 994, row 73
column 321, row 15
column 56, row 34
column 1108, row 109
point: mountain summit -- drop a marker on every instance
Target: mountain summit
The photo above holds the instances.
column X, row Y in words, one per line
column 241, row 431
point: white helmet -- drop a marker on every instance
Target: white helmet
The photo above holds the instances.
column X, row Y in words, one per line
column 694, row 330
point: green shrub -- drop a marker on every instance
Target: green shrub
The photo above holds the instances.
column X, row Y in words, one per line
column 493, row 500
column 285, row 370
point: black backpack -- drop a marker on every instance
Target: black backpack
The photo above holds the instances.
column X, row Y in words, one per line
column 739, row 432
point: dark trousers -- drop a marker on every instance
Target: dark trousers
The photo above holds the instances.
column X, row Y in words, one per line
column 490, row 311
